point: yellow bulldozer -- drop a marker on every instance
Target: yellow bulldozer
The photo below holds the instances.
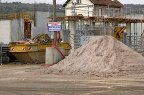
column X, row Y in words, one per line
column 119, row 32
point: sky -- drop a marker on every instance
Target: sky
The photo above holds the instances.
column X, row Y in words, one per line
column 62, row 1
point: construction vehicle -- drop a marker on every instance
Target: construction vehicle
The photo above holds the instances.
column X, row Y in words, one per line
column 119, row 32
column 33, row 50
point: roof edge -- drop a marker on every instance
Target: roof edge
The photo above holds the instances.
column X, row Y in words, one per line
column 118, row 4
column 66, row 3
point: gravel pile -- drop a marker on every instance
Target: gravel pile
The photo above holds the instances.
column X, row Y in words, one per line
column 102, row 56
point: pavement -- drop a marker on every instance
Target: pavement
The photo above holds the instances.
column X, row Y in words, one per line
column 18, row 79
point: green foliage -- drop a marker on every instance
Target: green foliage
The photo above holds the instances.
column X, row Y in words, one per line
column 6, row 8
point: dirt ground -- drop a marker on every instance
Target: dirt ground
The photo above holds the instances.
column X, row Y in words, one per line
column 30, row 80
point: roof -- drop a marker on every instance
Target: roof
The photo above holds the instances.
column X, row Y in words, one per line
column 65, row 3
column 111, row 3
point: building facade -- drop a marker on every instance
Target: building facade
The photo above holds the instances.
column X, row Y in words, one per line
column 106, row 8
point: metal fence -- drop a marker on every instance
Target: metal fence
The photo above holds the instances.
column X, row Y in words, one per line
column 4, row 53
column 80, row 35
column 136, row 43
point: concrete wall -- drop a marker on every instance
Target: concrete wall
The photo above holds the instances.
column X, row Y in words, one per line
column 41, row 23
column 13, row 30
column 17, row 27
column 5, row 31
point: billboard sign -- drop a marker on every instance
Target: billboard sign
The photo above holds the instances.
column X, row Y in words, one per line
column 54, row 26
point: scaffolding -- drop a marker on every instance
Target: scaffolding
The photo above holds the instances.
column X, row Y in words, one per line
column 98, row 25
column 88, row 23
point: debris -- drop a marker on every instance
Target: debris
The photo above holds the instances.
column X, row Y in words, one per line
column 102, row 56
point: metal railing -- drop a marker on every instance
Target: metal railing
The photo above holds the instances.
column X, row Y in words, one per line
column 136, row 43
column 4, row 53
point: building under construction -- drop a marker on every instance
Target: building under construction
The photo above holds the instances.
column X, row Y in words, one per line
column 84, row 18
column 19, row 27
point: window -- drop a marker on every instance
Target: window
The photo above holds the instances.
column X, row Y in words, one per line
column 78, row 1
column 100, row 11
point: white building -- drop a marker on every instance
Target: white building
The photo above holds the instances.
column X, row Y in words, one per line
column 106, row 8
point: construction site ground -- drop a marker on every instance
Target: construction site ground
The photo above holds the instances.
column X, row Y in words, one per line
column 17, row 79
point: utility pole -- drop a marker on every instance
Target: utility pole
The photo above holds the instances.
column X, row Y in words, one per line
column 54, row 10
column 49, row 12
column 54, row 19
column 35, row 13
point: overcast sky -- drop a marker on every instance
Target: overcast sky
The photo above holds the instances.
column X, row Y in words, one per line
column 62, row 1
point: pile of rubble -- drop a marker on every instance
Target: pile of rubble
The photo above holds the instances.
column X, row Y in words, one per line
column 102, row 56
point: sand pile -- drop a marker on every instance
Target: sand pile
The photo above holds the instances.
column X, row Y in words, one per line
column 102, row 56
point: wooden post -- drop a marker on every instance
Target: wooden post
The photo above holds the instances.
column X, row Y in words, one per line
column 54, row 19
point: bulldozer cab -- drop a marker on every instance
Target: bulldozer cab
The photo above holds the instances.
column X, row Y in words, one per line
column 119, row 32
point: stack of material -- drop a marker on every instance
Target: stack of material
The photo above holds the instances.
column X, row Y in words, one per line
column 40, row 38
column 102, row 56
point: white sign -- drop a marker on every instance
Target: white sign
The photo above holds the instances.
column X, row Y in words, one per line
column 54, row 26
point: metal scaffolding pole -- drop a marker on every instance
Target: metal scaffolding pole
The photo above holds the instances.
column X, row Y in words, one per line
column 134, row 36
column 1, row 54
